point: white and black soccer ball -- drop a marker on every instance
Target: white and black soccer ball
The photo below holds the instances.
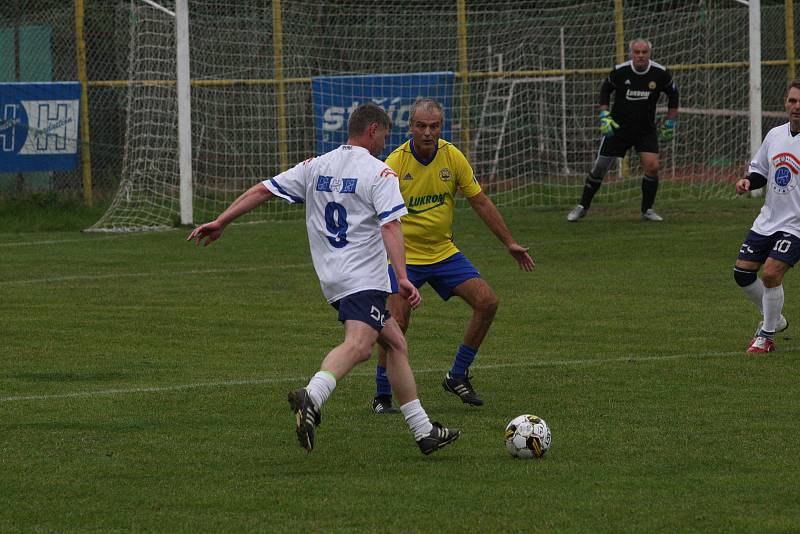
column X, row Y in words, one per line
column 527, row 436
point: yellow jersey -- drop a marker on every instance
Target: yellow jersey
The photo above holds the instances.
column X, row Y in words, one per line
column 429, row 189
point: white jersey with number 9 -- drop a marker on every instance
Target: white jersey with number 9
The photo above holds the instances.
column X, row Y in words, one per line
column 349, row 195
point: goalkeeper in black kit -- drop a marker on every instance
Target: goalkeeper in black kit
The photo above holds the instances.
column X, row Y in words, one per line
column 637, row 85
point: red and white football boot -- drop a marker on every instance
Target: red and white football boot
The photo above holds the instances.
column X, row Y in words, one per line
column 761, row 344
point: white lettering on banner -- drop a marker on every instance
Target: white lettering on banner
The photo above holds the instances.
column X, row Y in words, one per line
column 399, row 114
column 335, row 118
column 52, row 127
column 7, row 131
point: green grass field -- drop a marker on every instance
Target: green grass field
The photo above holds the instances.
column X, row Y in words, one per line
column 143, row 386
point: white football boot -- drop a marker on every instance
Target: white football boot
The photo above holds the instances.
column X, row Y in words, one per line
column 650, row 215
column 578, row 212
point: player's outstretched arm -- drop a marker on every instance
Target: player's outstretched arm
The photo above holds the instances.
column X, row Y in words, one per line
column 211, row 231
column 489, row 214
column 392, row 236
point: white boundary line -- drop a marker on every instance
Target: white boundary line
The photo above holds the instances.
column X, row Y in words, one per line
column 300, row 380
column 148, row 274
column 85, row 240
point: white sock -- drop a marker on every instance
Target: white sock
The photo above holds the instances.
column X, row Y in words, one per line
column 417, row 419
column 755, row 292
column 773, row 304
column 320, row 387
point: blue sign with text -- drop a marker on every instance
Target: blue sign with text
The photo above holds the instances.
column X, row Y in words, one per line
column 39, row 126
column 335, row 97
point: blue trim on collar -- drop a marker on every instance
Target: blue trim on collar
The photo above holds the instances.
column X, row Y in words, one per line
column 419, row 159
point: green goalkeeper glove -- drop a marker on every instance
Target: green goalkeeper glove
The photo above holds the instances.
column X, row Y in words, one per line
column 607, row 124
column 666, row 131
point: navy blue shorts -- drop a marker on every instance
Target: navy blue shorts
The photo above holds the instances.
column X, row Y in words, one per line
column 780, row 246
column 443, row 276
column 365, row 306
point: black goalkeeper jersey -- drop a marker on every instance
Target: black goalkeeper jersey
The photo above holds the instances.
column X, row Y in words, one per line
column 636, row 95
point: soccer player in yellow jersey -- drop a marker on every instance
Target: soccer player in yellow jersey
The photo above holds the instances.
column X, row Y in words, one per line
column 431, row 171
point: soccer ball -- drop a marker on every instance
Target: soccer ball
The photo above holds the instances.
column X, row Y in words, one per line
column 527, row 436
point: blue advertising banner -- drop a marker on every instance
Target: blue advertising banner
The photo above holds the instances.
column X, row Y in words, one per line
column 335, row 97
column 39, row 126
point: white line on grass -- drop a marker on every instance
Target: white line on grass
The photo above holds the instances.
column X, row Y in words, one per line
column 127, row 235
column 300, row 380
column 89, row 239
column 58, row 241
column 147, row 275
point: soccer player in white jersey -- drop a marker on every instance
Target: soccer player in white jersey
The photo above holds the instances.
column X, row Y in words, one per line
column 353, row 210
column 774, row 239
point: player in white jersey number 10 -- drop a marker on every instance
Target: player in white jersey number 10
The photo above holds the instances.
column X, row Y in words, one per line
column 774, row 239
column 353, row 209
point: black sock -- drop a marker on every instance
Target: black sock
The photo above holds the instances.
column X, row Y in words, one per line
column 649, row 189
column 589, row 189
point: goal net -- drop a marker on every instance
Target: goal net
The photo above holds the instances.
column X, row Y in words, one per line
column 272, row 82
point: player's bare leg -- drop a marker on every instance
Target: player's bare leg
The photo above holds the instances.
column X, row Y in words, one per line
column 307, row 402
column 483, row 301
column 651, row 164
column 395, row 350
column 400, row 310
column 356, row 348
column 772, row 277
column 430, row 436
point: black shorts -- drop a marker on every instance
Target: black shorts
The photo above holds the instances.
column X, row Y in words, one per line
column 780, row 246
column 618, row 144
column 366, row 306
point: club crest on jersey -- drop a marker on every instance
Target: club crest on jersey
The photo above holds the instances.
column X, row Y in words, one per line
column 330, row 184
column 651, row 85
column 787, row 167
column 444, row 174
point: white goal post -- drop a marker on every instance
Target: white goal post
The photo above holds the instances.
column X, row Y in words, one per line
column 754, row 53
column 184, row 109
